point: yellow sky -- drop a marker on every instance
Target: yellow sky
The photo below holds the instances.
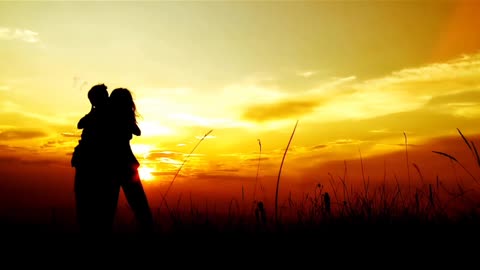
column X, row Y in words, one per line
column 355, row 74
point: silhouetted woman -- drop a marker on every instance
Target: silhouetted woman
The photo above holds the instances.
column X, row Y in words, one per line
column 124, row 164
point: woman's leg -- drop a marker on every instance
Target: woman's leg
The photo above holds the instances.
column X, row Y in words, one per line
column 137, row 199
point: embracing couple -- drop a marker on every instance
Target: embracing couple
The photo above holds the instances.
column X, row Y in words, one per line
column 104, row 162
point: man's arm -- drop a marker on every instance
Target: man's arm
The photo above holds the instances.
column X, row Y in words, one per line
column 83, row 122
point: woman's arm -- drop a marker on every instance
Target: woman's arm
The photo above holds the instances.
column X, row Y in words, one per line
column 136, row 130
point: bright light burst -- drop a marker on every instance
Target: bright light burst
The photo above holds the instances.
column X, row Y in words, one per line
column 141, row 149
column 145, row 173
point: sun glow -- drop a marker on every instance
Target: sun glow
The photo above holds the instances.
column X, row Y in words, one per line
column 141, row 149
column 145, row 173
column 151, row 128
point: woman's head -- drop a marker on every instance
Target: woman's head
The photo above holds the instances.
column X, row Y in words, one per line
column 121, row 101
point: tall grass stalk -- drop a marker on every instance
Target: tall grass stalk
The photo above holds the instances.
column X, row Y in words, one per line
column 344, row 182
column 464, row 139
column 258, row 168
column 419, row 172
column 458, row 162
column 164, row 197
column 334, row 188
column 280, row 172
column 476, row 154
column 470, row 146
column 408, row 163
column 365, row 185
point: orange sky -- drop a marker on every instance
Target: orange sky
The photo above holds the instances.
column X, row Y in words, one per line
column 356, row 75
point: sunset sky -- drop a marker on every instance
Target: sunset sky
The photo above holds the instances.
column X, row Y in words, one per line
column 356, row 76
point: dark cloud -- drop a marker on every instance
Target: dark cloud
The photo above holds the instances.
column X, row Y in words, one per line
column 402, row 144
column 21, row 134
column 256, row 159
column 71, row 135
column 55, row 144
column 281, row 110
column 318, row 146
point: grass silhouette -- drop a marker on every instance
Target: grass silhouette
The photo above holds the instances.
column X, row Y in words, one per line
column 280, row 172
column 432, row 203
column 319, row 209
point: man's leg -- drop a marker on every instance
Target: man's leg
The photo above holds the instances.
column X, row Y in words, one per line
column 83, row 201
column 106, row 198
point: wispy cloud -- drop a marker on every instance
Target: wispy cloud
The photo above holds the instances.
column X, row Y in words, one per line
column 16, row 117
column 284, row 105
column 19, row 34
column 408, row 90
column 21, row 134
column 157, row 154
column 189, row 120
column 464, row 104
column 451, row 87
column 413, row 88
column 459, row 71
column 281, row 110
column 318, row 146
column 307, row 74
column 346, row 141
column 70, row 135
column 242, row 105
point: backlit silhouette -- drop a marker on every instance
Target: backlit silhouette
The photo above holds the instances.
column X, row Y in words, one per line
column 124, row 164
column 104, row 162
column 93, row 185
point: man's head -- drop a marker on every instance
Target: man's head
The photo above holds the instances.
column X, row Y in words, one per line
column 98, row 95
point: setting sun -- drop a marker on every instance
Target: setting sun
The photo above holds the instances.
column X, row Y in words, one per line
column 145, row 173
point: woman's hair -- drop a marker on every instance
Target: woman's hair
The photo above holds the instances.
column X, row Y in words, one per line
column 122, row 103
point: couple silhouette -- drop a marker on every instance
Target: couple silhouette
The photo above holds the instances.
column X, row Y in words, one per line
column 104, row 162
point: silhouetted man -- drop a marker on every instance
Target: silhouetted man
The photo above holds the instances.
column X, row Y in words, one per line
column 93, row 186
